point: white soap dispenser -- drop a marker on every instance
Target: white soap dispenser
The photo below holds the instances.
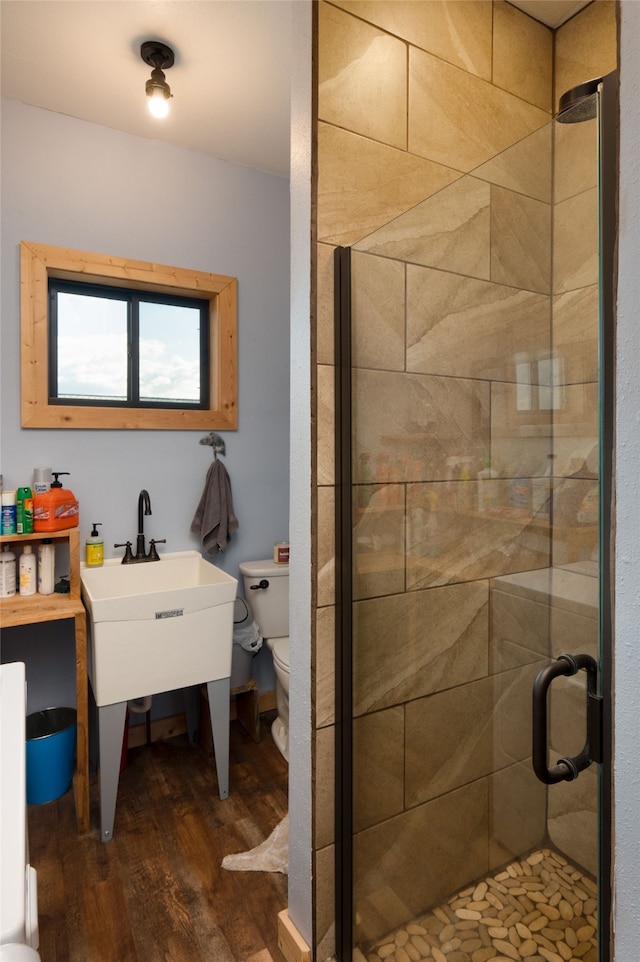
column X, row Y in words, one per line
column 94, row 547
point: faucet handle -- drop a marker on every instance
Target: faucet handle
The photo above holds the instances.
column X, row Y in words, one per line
column 153, row 554
column 128, row 556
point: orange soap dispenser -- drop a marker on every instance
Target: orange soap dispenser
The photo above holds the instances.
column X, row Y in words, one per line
column 55, row 509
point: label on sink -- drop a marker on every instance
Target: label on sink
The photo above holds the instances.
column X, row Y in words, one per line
column 170, row 613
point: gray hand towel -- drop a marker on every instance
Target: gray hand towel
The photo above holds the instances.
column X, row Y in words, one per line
column 214, row 519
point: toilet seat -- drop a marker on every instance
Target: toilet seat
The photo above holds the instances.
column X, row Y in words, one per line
column 280, row 650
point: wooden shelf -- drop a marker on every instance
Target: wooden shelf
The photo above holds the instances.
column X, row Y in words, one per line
column 33, row 609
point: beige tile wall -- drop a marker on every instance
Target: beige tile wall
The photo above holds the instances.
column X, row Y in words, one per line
column 560, row 608
column 411, row 97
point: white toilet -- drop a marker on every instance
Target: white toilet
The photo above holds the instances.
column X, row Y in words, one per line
column 266, row 587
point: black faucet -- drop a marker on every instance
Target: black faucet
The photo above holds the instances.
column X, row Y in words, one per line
column 144, row 502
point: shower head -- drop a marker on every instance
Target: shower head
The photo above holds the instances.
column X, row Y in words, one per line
column 579, row 103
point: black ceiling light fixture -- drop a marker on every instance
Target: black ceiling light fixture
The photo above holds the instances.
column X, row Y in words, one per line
column 160, row 57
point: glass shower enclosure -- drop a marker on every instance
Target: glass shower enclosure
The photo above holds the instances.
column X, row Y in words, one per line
column 474, row 420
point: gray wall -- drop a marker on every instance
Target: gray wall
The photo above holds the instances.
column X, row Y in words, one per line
column 72, row 184
column 626, row 836
column 300, row 627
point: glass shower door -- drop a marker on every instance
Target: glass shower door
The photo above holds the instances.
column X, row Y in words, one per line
column 471, row 526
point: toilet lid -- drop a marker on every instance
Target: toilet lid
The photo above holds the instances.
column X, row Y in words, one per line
column 280, row 650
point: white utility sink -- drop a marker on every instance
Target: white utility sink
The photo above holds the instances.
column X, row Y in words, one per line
column 158, row 625
column 153, row 627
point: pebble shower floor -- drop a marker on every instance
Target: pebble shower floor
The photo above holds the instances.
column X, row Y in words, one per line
column 537, row 909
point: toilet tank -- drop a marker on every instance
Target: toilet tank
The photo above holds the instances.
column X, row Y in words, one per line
column 269, row 603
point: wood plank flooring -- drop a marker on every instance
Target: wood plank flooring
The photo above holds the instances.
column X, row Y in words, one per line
column 156, row 892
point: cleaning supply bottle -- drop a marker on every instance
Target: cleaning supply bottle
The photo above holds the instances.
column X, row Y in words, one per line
column 94, row 547
column 41, row 480
column 7, row 573
column 55, row 509
column 8, row 512
column 24, row 510
column 46, row 567
column 27, row 571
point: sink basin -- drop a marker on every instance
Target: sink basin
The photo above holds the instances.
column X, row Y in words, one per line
column 154, row 627
column 157, row 626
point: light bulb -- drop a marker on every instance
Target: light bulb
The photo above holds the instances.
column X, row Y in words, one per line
column 158, row 105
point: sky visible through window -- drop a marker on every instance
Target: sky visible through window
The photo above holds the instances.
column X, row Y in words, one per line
column 92, row 349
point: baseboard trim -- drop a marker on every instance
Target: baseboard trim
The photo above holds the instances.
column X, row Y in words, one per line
column 290, row 942
column 173, row 725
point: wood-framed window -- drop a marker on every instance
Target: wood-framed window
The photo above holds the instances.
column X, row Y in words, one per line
column 216, row 408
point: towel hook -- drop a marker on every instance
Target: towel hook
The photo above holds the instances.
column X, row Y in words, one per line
column 216, row 442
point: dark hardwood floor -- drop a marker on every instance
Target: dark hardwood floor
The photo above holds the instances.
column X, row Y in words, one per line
column 156, row 892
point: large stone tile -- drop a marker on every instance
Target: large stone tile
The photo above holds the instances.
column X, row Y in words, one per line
column 407, row 646
column 415, row 860
column 573, row 455
column 325, row 667
column 454, row 30
column 461, row 734
column 522, row 55
column 448, row 230
column 586, row 46
column 525, row 167
column 518, row 809
column 575, row 430
column 463, row 327
column 572, row 589
column 575, row 504
column 378, row 540
column 575, row 333
column 512, row 721
column 567, row 702
column 363, row 184
column 575, row 545
column 461, row 121
column 520, row 241
column 377, row 306
column 325, row 307
column 326, row 437
column 573, row 633
column 448, row 739
column 521, row 430
column 378, row 767
column 575, row 242
column 520, row 630
column 324, row 784
column 461, row 544
column 575, row 158
column 413, row 422
column 325, row 911
column 362, row 77
column 573, row 819
column 326, row 546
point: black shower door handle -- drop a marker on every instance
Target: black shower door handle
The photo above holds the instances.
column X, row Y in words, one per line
column 566, row 769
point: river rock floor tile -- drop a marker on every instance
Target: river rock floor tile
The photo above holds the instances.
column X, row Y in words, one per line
column 537, row 909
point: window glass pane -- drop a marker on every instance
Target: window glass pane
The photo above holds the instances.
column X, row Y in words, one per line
column 169, row 352
column 92, row 347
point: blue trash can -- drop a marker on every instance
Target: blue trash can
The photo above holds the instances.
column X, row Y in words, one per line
column 51, row 747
